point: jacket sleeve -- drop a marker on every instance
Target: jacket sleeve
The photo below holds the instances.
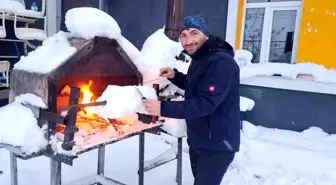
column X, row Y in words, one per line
column 179, row 79
column 211, row 91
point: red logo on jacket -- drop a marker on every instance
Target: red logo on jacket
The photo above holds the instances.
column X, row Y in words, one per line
column 212, row 88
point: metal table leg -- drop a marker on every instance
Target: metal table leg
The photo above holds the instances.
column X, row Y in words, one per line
column 55, row 172
column 141, row 158
column 13, row 169
column 179, row 162
column 101, row 160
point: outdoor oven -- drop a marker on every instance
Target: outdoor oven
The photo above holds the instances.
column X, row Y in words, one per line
column 70, row 91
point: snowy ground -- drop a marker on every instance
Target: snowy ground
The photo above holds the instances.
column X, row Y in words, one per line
column 267, row 157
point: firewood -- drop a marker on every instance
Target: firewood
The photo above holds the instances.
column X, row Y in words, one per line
column 92, row 104
column 66, row 90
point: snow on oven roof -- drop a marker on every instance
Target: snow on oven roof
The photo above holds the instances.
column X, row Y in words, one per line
column 53, row 52
column 57, row 49
column 19, row 127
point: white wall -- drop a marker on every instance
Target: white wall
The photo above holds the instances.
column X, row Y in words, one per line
column 51, row 17
column 231, row 25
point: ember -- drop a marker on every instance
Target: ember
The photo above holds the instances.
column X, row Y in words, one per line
column 87, row 119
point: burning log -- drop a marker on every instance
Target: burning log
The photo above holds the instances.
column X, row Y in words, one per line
column 70, row 121
column 83, row 105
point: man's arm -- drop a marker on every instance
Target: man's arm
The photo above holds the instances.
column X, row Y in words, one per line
column 212, row 90
column 179, row 79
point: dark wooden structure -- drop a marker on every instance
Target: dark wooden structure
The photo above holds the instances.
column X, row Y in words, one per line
column 100, row 60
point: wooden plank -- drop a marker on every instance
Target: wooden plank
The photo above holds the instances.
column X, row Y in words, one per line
column 84, row 105
column 70, row 120
column 23, row 82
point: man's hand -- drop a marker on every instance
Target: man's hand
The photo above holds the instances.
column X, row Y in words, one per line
column 153, row 107
column 167, row 72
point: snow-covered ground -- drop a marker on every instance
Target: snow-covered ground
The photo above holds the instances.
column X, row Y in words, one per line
column 267, row 157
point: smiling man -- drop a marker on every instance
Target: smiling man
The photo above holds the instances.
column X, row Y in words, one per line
column 211, row 105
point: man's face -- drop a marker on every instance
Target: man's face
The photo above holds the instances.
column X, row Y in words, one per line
column 192, row 39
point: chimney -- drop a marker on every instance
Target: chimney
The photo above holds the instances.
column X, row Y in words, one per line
column 173, row 19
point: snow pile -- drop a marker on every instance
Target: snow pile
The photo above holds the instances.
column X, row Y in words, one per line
column 272, row 156
column 246, row 104
column 134, row 54
column 164, row 52
column 243, row 57
column 157, row 52
column 123, row 100
column 319, row 72
column 97, row 23
column 53, row 53
column 18, row 7
column 31, row 99
column 56, row 142
column 160, row 52
column 18, row 126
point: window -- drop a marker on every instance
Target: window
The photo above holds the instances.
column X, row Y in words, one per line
column 270, row 30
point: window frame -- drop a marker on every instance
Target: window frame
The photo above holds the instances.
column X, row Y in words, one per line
column 270, row 7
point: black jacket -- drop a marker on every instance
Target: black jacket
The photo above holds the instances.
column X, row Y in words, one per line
column 211, row 105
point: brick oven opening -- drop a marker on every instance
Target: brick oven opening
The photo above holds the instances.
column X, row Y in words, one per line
column 102, row 62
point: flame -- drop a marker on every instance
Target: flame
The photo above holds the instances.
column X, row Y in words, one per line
column 87, row 98
column 88, row 119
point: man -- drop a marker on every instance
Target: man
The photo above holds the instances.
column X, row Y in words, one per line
column 211, row 105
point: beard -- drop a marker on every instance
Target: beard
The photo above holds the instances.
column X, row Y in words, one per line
column 195, row 46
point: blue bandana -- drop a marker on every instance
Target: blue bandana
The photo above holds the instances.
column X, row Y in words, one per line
column 196, row 22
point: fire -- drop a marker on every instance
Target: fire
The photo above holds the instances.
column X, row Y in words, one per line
column 88, row 119
column 88, row 98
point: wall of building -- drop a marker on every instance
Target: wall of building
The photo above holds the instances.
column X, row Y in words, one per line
column 139, row 19
column 274, row 108
column 317, row 33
